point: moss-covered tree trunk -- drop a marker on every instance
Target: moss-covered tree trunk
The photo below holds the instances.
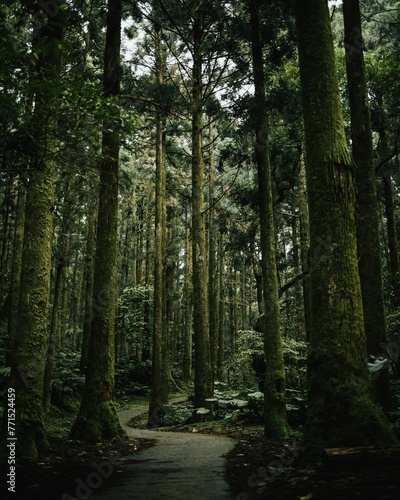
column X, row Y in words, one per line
column 233, row 316
column 97, row 418
column 305, row 245
column 367, row 216
column 203, row 380
column 384, row 153
column 16, row 264
column 341, row 411
column 158, row 395
column 188, row 306
column 5, row 248
column 87, row 287
column 221, row 310
column 394, row 264
column 56, row 325
column 29, row 343
column 212, row 253
column 275, row 421
column 54, row 332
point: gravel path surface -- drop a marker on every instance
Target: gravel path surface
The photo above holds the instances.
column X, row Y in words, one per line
column 181, row 466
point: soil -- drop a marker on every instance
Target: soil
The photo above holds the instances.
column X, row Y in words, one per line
column 259, row 468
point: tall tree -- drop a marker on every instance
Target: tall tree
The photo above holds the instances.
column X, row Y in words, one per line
column 304, row 245
column 367, row 216
column 212, row 253
column 87, row 286
column 54, row 342
column 394, row 264
column 341, row 411
column 221, row 310
column 188, row 305
column 97, row 418
column 27, row 371
column 159, row 395
column 15, row 284
column 275, row 421
column 203, row 379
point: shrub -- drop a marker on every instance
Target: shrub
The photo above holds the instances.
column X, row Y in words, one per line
column 133, row 327
column 132, row 378
column 68, row 380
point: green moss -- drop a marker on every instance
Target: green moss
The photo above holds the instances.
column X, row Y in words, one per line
column 338, row 413
column 98, row 424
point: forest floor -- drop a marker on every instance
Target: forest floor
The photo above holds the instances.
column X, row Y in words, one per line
column 258, row 468
column 255, row 468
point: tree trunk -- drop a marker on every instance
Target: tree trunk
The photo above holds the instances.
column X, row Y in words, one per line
column 88, row 289
column 233, row 322
column 16, row 264
column 59, row 285
column 5, row 240
column 159, row 390
column 257, row 274
column 394, row 266
column 367, row 217
column 139, row 242
column 383, row 152
column 305, row 246
column 30, row 343
column 203, row 381
column 54, row 337
column 168, row 317
column 212, row 253
column 97, row 417
column 275, row 421
column 188, row 304
column 341, row 411
column 221, row 311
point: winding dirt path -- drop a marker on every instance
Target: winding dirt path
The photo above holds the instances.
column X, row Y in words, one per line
column 180, row 466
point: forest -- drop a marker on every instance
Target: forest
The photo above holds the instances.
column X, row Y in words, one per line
column 199, row 201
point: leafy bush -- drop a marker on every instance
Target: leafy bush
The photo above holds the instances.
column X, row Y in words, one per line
column 295, row 358
column 249, row 359
column 225, row 405
column 239, row 367
column 246, row 369
column 68, row 381
column 132, row 379
column 132, row 322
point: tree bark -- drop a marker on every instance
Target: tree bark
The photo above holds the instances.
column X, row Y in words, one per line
column 212, row 255
column 394, row 267
column 56, row 329
column 159, row 389
column 367, row 217
column 15, row 284
column 233, row 316
column 88, row 288
column 203, row 379
column 383, row 152
column 275, row 420
column 98, row 417
column 305, row 246
column 221, row 311
column 341, row 411
column 29, row 346
column 6, row 211
column 188, row 305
